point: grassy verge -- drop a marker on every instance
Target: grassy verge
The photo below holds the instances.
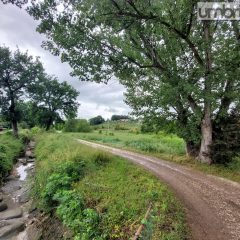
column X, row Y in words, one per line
column 165, row 146
column 100, row 196
column 10, row 148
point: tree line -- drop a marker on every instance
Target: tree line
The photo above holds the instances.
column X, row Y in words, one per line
column 29, row 94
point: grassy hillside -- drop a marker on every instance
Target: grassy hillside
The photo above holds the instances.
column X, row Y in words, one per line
column 10, row 147
column 100, row 196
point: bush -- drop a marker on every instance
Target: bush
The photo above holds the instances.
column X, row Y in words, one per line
column 101, row 158
column 36, row 130
column 226, row 139
column 97, row 120
column 62, row 179
column 82, row 221
column 10, row 148
column 77, row 125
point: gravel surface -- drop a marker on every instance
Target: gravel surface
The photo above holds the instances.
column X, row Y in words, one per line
column 212, row 204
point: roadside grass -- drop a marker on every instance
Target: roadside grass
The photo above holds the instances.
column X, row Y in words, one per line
column 10, row 148
column 165, row 146
column 101, row 196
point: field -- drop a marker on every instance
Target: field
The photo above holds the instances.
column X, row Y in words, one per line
column 165, row 146
column 100, row 196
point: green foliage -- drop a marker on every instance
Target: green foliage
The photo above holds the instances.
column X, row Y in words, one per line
column 82, row 221
column 18, row 3
column 101, row 158
column 62, row 100
column 165, row 146
column 119, row 117
column 106, row 202
column 226, row 146
column 119, row 127
column 157, row 50
column 63, row 177
column 10, row 148
column 97, row 120
column 77, row 125
column 162, row 143
column 17, row 71
column 36, row 130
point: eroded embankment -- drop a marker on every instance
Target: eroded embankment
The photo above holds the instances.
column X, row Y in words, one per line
column 15, row 203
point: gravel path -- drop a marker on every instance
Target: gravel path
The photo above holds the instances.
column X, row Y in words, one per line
column 212, row 204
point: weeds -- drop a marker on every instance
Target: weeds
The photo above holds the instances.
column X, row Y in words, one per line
column 10, row 148
column 99, row 196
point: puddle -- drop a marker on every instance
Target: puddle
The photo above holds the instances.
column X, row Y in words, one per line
column 22, row 171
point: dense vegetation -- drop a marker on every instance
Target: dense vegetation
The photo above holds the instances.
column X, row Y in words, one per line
column 100, row 196
column 164, row 145
column 10, row 148
column 77, row 125
column 173, row 65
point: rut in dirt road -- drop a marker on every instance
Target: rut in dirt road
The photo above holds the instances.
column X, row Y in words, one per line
column 212, row 204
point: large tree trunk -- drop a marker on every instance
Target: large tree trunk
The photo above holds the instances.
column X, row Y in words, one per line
column 206, row 124
column 49, row 123
column 15, row 127
column 12, row 111
column 207, row 139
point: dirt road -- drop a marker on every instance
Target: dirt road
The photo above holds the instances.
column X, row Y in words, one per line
column 212, row 204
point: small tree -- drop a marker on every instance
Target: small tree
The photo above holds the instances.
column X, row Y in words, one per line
column 17, row 71
column 119, row 117
column 97, row 120
column 55, row 99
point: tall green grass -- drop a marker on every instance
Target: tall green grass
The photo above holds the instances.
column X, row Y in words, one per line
column 162, row 145
column 10, row 148
column 100, row 196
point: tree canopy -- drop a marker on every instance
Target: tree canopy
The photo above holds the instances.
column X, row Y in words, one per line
column 17, row 71
column 27, row 93
column 53, row 99
column 173, row 65
column 119, row 117
column 97, row 120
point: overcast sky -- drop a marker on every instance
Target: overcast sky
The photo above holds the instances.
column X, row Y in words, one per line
column 17, row 28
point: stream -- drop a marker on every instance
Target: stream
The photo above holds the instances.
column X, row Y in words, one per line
column 16, row 206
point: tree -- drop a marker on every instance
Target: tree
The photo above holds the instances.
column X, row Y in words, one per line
column 18, row 3
column 17, row 71
column 53, row 99
column 173, row 65
column 97, row 120
column 119, row 117
column 77, row 125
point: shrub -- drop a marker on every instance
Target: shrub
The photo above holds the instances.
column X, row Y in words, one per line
column 36, row 130
column 62, row 179
column 101, row 158
column 77, row 125
column 82, row 221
